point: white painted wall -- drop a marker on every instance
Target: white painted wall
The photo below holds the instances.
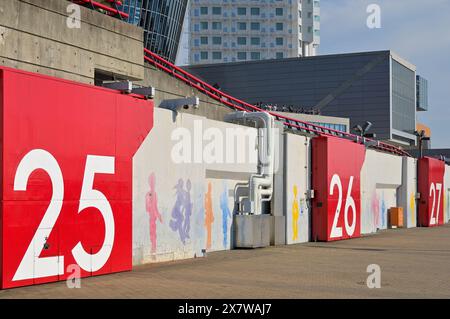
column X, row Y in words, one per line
column 155, row 156
column 407, row 191
column 386, row 181
column 297, row 168
column 381, row 177
column 447, row 194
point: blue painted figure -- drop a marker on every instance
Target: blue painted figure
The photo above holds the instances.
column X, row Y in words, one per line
column 384, row 213
column 187, row 209
column 225, row 214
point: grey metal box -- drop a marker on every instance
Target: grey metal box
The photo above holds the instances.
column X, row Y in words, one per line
column 252, row 231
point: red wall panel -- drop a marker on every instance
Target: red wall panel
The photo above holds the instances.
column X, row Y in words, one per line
column 67, row 153
column 336, row 212
column 431, row 188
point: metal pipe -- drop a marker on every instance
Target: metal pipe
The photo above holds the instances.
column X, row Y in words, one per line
column 260, row 184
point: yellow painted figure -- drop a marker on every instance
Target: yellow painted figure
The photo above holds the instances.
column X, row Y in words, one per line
column 412, row 206
column 295, row 214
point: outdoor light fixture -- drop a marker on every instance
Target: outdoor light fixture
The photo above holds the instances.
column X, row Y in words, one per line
column 421, row 137
column 362, row 130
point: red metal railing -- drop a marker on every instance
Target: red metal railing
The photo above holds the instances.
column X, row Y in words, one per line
column 98, row 5
column 237, row 104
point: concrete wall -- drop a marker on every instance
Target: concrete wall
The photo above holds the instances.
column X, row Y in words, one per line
column 297, row 182
column 34, row 36
column 188, row 213
column 381, row 176
column 168, row 87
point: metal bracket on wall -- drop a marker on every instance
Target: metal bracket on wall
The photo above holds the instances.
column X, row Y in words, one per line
column 175, row 104
column 148, row 92
column 123, row 86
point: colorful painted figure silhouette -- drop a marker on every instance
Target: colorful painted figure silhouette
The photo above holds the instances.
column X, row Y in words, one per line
column 151, row 206
column 177, row 212
column 225, row 214
column 295, row 214
column 187, row 209
column 412, row 206
column 383, row 210
column 209, row 215
column 376, row 210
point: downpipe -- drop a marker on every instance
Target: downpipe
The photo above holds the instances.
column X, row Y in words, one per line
column 260, row 184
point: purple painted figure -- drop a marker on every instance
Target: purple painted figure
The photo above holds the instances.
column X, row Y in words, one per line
column 177, row 212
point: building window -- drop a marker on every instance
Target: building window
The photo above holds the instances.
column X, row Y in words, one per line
column 255, row 26
column 309, row 29
column 316, row 18
column 299, row 13
column 217, row 55
column 203, row 10
column 309, row 15
column 203, row 25
column 242, row 11
column 279, row 55
column 255, row 41
column 217, row 40
column 203, row 40
column 217, row 10
column 317, row 4
column 279, row 26
column 254, row 11
column 300, row 29
column 217, row 25
column 255, row 55
column 279, row 11
column 242, row 40
column 242, row 26
column 279, row 41
column 242, row 55
column 204, row 55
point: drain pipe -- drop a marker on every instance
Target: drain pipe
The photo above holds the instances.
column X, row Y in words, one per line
column 260, row 184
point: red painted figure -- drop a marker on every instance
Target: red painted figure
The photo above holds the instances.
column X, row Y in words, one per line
column 151, row 206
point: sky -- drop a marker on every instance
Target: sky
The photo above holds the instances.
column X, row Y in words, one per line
column 417, row 30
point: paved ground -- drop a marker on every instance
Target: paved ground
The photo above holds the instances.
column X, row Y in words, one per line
column 415, row 263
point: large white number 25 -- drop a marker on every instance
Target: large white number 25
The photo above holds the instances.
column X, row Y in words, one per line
column 433, row 189
column 32, row 266
column 336, row 231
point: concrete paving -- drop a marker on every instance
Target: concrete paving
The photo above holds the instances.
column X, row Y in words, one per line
column 415, row 263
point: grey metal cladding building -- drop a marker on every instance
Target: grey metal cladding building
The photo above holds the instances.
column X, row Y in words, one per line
column 379, row 87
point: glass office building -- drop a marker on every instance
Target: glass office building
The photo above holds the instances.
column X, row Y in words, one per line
column 162, row 22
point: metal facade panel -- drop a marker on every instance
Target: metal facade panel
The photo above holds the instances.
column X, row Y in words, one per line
column 336, row 170
column 306, row 81
column 431, row 188
column 67, row 177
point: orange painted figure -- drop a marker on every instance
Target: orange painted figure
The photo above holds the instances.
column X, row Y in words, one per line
column 295, row 214
column 151, row 206
column 209, row 215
